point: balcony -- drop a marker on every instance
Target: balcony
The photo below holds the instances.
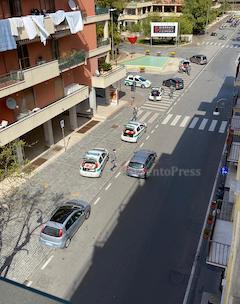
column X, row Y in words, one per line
column 103, row 46
column 20, row 80
column 97, row 18
column 218, row 254
column 72, row 60
column 35, row 119
column 108, row 78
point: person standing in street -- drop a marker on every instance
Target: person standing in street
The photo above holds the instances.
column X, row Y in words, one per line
column 114, row 159
column 135, row 110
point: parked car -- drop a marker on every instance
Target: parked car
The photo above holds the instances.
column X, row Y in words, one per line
column 213, row 34
column 184, row 66
column 175, row 82
column 94, row 162
column 223, row 37
column 133, row 131
column 64, row 223
column 199, row 59
column 137, row 80
column 141, row 163
column 156, row 94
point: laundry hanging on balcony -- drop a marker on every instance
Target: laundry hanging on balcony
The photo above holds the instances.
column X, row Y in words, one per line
column 75, row 22
column 58, row 17
column 7, row 41
column 15, row 23
column 29, row 27
column 39, row 21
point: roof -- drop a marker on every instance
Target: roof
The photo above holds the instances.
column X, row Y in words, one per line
column 140, row 155
column 15, row 293
column 94, row 153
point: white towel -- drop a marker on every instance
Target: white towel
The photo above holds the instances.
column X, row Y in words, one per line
column 39, row 21
column 75, row 22
column 29, row 27
column 57, row 17
column 15, row 24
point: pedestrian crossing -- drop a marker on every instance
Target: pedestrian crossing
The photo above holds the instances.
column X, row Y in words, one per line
column 219, row 44
column 184, row 121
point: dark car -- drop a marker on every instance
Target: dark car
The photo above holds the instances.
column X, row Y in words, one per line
column 141, row 163
column 213, row 34
column 199, row 59
column 175, row 82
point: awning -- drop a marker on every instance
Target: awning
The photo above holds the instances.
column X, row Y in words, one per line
column 234, row 152
column 220, row 244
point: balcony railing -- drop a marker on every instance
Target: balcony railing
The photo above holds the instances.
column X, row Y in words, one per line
column 11, row 78
column 74, row 59
column 103, row 42
column 218, row 254
column 101, row 10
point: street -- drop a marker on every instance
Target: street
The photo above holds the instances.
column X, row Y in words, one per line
column 141, row 239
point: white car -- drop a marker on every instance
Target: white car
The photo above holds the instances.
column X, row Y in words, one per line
column 156, row 94
column 138, row 81
column 93, row 162
column 133, row 131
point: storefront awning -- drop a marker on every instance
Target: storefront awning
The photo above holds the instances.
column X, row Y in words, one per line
column 234, row 152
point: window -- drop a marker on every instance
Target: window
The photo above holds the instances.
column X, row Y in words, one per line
column 23, row 56
column 69, row 223
column 100, row 159
column 77, row 215
column 15, row 8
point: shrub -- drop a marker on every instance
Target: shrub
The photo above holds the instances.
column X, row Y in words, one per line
column 105, row 66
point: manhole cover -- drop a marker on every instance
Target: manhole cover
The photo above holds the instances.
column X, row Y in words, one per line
column 88, row 126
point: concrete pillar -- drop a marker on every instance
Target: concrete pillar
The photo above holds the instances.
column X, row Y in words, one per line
column 48, row 133
column 163, row 9
column 106, row 30
column 151, row 9
column 175, row 9
column 20, row 154
column 136, row 11
column 93, row 100
column 73, row 118
column 107, row 95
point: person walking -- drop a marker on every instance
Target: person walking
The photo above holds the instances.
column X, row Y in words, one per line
column 172, row 89
column 114, row 159
column 135, row 111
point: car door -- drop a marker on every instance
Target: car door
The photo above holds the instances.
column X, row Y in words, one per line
column 142, row 127
column 70, row 227
column 101, row 163
column 130, row 80
column 104, row 156
column 78, row 218
column 137, row 82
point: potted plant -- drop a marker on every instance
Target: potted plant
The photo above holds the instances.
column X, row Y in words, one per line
column 213, row 205
column 210, row 219
column 206, row 233
column 147, row 52
column 105, row 66
column 172, row 54
column 141, row 69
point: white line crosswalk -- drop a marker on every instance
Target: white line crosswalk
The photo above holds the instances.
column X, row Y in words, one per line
column 220, row 44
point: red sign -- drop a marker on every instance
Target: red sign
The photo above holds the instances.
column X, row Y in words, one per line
column 132, row 39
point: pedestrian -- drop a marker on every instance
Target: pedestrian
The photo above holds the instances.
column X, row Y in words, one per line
column 172, row 89
column 135, row 111
column 114, row 159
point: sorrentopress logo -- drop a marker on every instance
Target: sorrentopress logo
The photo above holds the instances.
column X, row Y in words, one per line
column 175, row 171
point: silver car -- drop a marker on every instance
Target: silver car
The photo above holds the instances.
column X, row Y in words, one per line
column 141, row 163
column 64, row 223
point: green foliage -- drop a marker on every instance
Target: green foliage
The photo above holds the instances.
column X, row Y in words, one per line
column 9, row 164
column 116, row 34
column 135, row 28
column 119, row 5
column 99, row 30
column 105, row 66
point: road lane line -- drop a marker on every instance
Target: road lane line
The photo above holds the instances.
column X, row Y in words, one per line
column 175, row 120
column 166, row 120
column 184, row 121
column 141, row 145
column 97, row 200
column 156, row 126
column 29, row 283
column 147, row 137
column 151, row 120
column 152, row 131
column 223, row 126
column 108, row 186
column 145, row 116
column 193, row 123
column 169, row 110
column 47, row 262
column 213, row 125
column 117, row 175
column 203, row 124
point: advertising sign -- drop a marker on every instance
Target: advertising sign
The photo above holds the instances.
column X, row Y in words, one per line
column 164, row 29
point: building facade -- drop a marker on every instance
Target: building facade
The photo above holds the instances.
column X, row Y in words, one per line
column 49, row 62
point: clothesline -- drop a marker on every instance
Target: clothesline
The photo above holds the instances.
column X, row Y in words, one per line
column 34, row 25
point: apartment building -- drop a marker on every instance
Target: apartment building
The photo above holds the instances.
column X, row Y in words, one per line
column 49, row 69
column 136, row 11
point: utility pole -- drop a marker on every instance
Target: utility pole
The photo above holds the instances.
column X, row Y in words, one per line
column 111, row 10
column 208, row 8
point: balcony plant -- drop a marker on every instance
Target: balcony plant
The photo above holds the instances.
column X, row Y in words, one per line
column 210, row 219
column 105, row 66
column 206, row 233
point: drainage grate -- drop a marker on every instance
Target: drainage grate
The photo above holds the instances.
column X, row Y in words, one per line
column 38, row 162
column 57, row 148
column 88, row 126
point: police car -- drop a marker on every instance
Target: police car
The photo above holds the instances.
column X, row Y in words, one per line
column 137, row 80
column 93, row 162
column 133, row 131
column 156, row 94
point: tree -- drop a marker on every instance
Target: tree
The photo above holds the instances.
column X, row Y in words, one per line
column 99, row 30
column 119, row 5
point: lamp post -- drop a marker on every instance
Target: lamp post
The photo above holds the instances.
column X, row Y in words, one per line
column 111, row 10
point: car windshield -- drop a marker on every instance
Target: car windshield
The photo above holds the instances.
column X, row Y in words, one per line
column 155, row 93
column 135, row 165
column 52, row 231
column 61, row 214
column 142, row 79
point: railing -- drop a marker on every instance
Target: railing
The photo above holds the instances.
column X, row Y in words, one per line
column 104, row 41
column 110, row 72
column 11, row 78
column 218, row 253
column 74, row 59
column 101, row 10
column 226, row 212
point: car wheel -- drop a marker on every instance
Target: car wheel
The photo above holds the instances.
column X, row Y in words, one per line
column 143, row 86
column 87, row 214
column 68, row 241
column 126, row 84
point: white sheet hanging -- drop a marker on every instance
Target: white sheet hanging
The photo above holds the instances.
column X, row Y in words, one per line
column 57, row 17
column 75, row 22
column 29, row 27
column 15, row 23
column 39, row 21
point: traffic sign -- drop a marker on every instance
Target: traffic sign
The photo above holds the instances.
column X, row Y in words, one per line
column 224, row 170
column 62, row 123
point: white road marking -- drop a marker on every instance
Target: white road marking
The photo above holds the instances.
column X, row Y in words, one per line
column 108, row 186
column 47, row 262
column 213, row 125
column 184, row 121
column 203, row 124
column 147, row 137
column 145, row 116
column 166, row 120
column 141, row 145
column 117, row 175
column 139, row 112
column 193, row 123
column 169, row 110
column 175, row 120
column 152, row 131
column 97, row 200
column 156, row 126
column 155, row 115
column 223, row 126
column 29, row 283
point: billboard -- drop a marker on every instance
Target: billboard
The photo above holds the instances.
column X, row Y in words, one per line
column 164, row 29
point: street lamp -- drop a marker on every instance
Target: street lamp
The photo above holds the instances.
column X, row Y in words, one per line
column 111, row 10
